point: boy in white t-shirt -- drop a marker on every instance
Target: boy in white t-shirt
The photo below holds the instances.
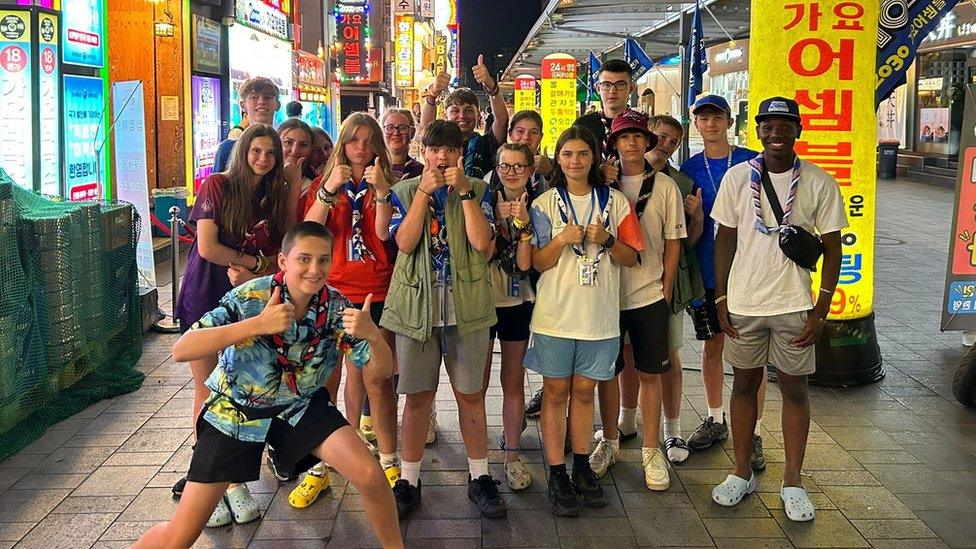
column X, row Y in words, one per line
column 763, row 298
column 645, row 293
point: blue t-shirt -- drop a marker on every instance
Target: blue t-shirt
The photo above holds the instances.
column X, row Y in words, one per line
column 709, row 179
column 222, row 156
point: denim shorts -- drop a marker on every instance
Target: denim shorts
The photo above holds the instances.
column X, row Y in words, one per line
column 560, row 357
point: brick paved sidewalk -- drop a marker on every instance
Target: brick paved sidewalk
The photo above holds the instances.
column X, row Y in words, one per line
column 889, row 465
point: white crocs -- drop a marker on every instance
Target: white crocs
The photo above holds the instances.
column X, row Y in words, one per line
column 796, row 503
column 732, row 491
column 220, row 516
column 242, row 505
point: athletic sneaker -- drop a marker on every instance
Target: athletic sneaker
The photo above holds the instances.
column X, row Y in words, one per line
column 677, row 449
column 708, row 433
column 282, row 476
column 178, row 488
column 656, row 475
column 407, row 497
column 484, row 491
column 588, row 487
column 534, row 406
column 757, row 461
column 562, row 496
column 604, row 455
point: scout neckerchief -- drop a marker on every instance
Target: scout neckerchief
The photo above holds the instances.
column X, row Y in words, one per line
column 357, row 201
column 758, row 165
column 728, row 164
column 320, row 304
column 647, row 186
column 597, row 196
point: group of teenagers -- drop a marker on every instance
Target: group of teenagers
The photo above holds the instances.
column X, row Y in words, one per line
column 363, row 260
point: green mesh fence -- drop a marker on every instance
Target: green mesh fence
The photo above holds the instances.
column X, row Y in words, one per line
column 70, row 328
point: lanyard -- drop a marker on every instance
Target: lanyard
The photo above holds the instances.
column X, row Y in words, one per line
column 562, row 199
column 728, row 164
column 469, row 156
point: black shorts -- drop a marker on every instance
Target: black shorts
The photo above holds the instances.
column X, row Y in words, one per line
column 705, row 317
column 221, row 458
column 648, row 329
column 513, row 322
column 375, row 310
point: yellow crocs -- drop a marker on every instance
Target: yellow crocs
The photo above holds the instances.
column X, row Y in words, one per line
column 366, row 427
column 392, row 474
column 308, row 491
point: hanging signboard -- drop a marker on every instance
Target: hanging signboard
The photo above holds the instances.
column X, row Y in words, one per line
column 268, row 16
column 404, row 7
column 83, row 132
column 559, row 109
column 16, row 110
column 525, row 92
column 425, row 9
column 959, row 310
column 206, row 45
column 205, row 103
column 352, row 43
column 49, row 106
column 83, row 35
column 403, row 41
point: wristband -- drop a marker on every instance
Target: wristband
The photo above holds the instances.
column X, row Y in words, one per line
column 608, row 243
column 423, row 191
column 720, row 299
column 526, row 236
column 467, row 196
column 519, row 224
column 491, row 93
column 325, row 197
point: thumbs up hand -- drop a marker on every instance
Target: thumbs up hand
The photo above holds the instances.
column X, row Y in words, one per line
column 693, row 204
column 340, row 174
column 358, row 323
column 374, row 176
column 455, row 178
column 519, row 210
column 276, row 316
column 441, row 83
column 595, row 232
column 481, row 74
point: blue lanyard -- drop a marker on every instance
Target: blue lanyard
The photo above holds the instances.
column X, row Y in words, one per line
column 469, row 155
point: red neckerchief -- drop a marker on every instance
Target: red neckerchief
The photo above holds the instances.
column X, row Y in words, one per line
column 320, row 304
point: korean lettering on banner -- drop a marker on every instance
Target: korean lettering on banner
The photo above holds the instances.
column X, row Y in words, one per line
column 559, row 108
column 83, row 133
column 17, row 137
column 404, row 7
column 83, row 40
column 426, row 9
column 49, row 92
column 959, row 312
column 525, row 92
column 403, row 49
column 352, row 25
column 269, row 17
column 811, row 50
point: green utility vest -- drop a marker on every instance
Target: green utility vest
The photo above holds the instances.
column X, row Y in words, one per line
column 408, row 310
column 688, row 284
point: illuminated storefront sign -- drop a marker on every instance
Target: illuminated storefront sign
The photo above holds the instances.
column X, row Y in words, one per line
column 252, row 53
column 440, row 53
column 266, row 15
column 403, row 40
column 17, row 137
column 83, row 131
column 559, row 108
column 205, row 100
column 49, row 107
column 525, row 92
column 83, row 39
column 352, row 40
column 206, row 45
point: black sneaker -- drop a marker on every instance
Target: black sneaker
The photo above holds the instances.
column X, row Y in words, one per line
column 757, row 461
column 178, row 488
column 484, row 491
column 534, row 407
column 708, row 433
column 589, row 489
column 279, row 474
column 562, row 496
column 407, row 497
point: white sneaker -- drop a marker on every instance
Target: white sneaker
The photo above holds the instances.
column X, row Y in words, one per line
column 604, row 455
column 656, row 475
column 432, row 428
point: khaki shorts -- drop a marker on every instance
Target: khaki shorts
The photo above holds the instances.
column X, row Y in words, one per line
column 464, row 359
column 766, row 340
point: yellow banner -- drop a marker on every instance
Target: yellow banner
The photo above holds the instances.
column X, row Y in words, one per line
column 559, row 109
column 822, row 54
column 525, row 93
column 403, row 50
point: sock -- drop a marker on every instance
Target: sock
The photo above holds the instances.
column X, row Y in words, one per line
column 580, row 462
column 717, row 414
column 388, row 460
column 758, row 424
column 558, row 470
column 478, row 467
column 672, row 427
column 628, row 420
column 410, row 472
column 318, row 470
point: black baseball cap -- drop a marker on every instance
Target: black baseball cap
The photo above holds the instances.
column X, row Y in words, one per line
column 778, row 106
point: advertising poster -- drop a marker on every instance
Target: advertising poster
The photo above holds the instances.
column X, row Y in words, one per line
column 525, row 92
column 403, row 50
column 206, row 45
column 818, row 57
column 83, row 132
column 558, row 103
column 205, row 100
column 49, row 84
column 251, row 53
column 82, row 33
column 130, row 166
column 959, row 311
column 933, row 125
column 16, row 110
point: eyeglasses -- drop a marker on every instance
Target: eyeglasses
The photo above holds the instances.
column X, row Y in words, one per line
column 390, row 128
column 619, row 85
column 505, row 168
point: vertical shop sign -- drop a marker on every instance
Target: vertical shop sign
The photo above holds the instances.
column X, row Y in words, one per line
column 403, row 24
column 49, row 91
column 404, row 7
column 440, row 53
column 130, row 166
column 425, row 9
column 558, row 96
column 17, row 137
column 525, row 92
column 352, row 35
column 83, row 35
column 959, row 312
column 83, row 132
column 205, row 100
column 454, row 54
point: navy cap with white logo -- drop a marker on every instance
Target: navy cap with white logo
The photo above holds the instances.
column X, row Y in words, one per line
column 712, row 100
column 778, row 106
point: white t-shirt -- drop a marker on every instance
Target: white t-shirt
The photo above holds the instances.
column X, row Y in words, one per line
column 564, row 308
column 763, row 281
column 663, row 219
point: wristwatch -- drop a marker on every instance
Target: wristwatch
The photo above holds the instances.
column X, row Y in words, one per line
column 608, row 243
column 467, row 196
column 384, row 199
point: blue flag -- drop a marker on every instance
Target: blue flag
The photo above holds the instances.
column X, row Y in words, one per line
column 697, row 59
column 639, row 62
column 904, row 33
column 594, row 72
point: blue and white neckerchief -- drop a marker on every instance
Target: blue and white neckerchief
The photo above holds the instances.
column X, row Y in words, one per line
column 758, row 166
column 357, row 202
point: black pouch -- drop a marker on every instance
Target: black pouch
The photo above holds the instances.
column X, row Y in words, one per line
column 797, row 244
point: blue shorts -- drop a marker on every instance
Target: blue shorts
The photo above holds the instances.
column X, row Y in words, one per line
column 560, row 357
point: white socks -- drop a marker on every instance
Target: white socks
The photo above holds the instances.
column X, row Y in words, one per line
column 388, row 460
column 410, row 472
column 628, row 420
column 718, row 414
column 478, row 467
column 672, row 427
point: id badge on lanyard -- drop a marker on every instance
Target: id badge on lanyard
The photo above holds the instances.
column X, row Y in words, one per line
column 514, row 286
column 586, row 271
